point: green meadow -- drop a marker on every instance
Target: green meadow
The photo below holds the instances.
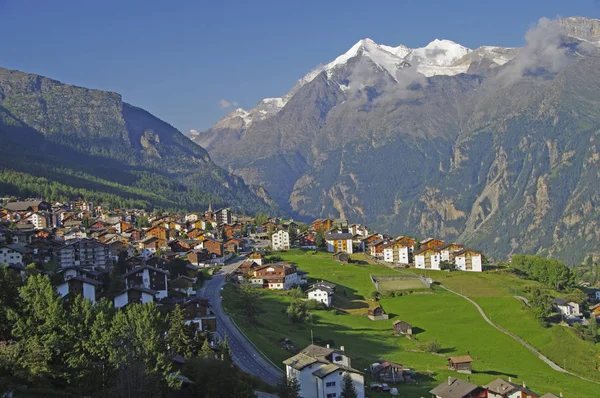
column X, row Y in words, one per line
column 451, row 320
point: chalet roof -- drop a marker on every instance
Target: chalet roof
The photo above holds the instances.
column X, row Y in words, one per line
column 339, row 236
column 453, row 388
column 461, row 359
column 196, row 300
column 83, row 279
column 426, row 250
column 22, row 206
column 17, row 266
column 140, row 289
column 299, row 361
column 463, row 251
column 321, row 287
column 276, row 265
column 401, row 322
column 325, row 370
column 502, row 386
column 549, row 395
column 450, row 244
column 16, row 247
column 376, row 242
column 560, row 301
column 143, row 267
column 316, row 351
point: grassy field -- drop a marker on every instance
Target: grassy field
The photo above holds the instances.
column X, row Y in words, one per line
column 450, row 319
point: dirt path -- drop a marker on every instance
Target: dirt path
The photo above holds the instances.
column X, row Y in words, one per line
column 518, row 339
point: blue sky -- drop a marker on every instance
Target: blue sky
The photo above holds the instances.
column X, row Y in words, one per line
column 179, row 59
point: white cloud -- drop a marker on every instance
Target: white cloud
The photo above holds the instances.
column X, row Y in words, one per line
column 224, row 104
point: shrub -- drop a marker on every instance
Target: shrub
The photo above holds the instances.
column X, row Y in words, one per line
column 433, row 346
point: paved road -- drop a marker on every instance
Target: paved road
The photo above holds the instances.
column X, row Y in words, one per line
column 520, row 340
column 243, row 353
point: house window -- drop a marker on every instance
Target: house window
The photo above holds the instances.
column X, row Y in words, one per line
column 330, row 384
column 332, row 395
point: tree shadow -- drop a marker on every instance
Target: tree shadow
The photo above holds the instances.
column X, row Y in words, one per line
column 495, row 373
column 447, row 350
column 417, row 330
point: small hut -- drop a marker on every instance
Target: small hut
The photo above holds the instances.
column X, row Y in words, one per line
column 402, row 328
column 377, row 314
column 461, row 364
column 342, row 257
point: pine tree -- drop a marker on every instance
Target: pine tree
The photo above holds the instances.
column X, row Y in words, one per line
column 176, row 338
column 288, row 387
column 348, row 389
column 206, row 351
column 225, row 349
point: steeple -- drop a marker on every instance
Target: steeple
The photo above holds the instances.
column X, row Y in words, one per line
column 210, row 210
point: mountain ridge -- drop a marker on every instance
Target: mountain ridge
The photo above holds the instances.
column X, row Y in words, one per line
column 435, row 155
column 92, row 143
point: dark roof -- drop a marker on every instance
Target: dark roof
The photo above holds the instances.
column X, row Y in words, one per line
column 22, row 206
column 17, row 266
column 18, row 248
column 140, row 289
column 339, row 236
column 560, row 301
column 401, row 322
column 453, row 388
column 299, row 361
column 83, row 279
column 143, row 267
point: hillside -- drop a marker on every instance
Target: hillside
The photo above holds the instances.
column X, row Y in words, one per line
column 494, row 147
column 60, row 141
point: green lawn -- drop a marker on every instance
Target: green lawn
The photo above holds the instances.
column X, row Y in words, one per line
column 452, row 320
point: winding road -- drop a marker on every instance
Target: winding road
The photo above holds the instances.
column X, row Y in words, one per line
column 243, row 352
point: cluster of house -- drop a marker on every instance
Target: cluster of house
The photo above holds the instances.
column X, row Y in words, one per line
column 320, row 372
column 343, row 238
column 80, row 243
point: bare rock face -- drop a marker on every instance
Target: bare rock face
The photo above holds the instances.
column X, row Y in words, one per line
column 582, row 28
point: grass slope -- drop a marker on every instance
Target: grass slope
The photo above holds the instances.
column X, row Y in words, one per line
column 453, row 321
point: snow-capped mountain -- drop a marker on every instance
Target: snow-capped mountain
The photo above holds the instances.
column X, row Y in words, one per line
column 440, row 57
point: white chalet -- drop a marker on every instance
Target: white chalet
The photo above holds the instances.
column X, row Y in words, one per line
column 468, row 260
column 428, row 259
column 322, row 292
column 280, row 240
column 320, row 372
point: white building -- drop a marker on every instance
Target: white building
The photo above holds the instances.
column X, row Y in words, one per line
column 84, row 252
column 150, row 278
column 320, row 372
column 79, row 285
column 468, row 260
column 191, row 217
column 339, row 242
column 448, row 251
column 322, row 292
column 428, row 259
column 39, row 221
column 11, row 254
column 396, row 253
column 567, row 308
column 134, row 295
column 280, row 240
